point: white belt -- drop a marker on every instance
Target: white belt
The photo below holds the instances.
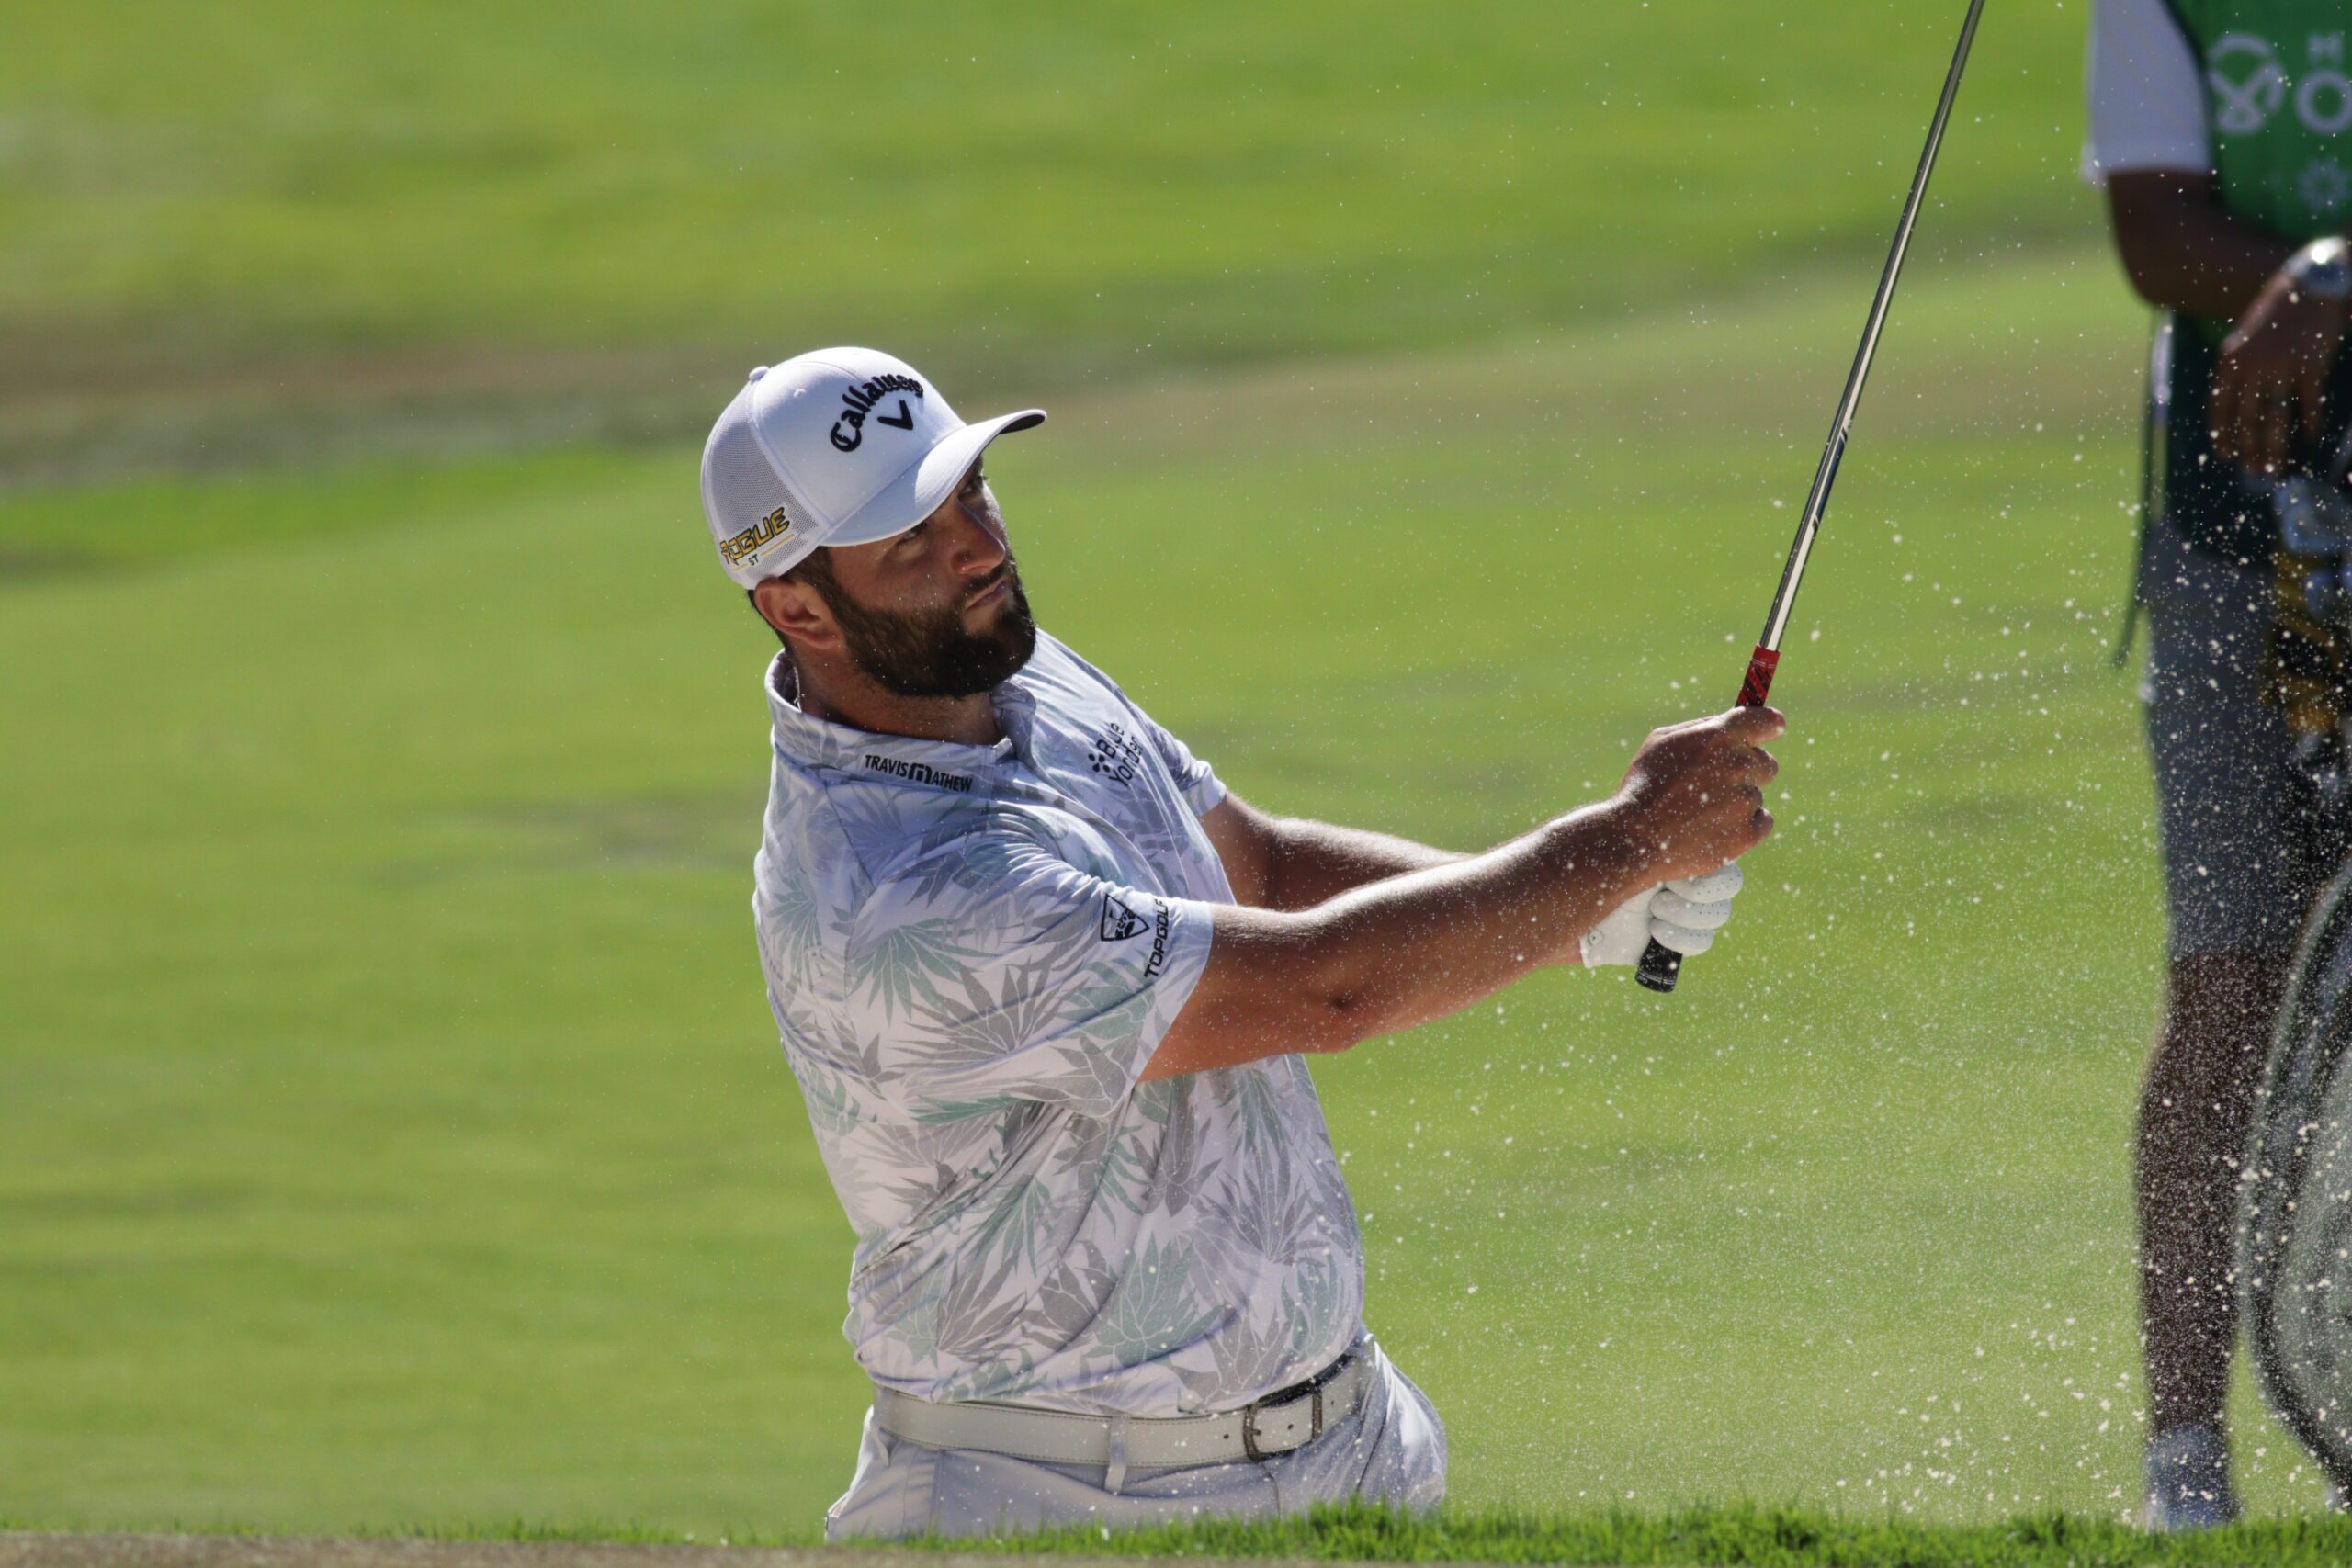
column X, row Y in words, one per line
column 1288, row 1419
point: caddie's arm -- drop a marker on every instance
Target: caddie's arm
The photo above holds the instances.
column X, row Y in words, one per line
column 1408, row 949
column 2184, row 251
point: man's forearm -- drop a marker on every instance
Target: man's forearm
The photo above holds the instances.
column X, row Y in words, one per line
column 1386, row 955
column 1312, row 863
column 1412, row 948
column 1405, row 950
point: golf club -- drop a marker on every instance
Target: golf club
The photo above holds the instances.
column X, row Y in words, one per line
column 1661, row 966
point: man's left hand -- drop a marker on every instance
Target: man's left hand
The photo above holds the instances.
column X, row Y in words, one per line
column 1683, row 914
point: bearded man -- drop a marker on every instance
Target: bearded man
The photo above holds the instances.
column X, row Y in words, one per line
column 1048, row 989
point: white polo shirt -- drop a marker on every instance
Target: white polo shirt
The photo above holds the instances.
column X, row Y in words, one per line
column 971, row 952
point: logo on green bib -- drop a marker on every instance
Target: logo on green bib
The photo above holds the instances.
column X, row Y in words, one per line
column 2280, row 74
column 2248, row 87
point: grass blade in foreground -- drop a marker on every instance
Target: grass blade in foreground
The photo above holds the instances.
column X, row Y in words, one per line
column 1765, row 1538
column 1726, row 1537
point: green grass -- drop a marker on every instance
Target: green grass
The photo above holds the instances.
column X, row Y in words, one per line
column 1090, row 194
column 1747, row 1537
column 391, row 1130
column 271, row 233
column 1723, row 1536
column 392, row 1134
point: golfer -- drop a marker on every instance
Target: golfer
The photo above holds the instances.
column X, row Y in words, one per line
column 1048, row 989
column 2222, row 133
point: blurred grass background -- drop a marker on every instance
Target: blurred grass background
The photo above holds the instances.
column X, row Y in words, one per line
column 391, row 1129
column 236, row 230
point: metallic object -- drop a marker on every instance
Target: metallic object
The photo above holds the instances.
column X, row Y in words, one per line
column 1660, row 966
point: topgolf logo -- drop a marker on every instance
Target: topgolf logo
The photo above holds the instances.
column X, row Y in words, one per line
column 1119, row 922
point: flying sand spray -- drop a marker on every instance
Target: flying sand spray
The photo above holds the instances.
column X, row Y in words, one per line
column 1661, row 966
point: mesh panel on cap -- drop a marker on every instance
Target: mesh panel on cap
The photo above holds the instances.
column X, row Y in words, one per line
column 740, row 487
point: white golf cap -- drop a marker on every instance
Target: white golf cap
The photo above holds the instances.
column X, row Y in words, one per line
column 842, row 446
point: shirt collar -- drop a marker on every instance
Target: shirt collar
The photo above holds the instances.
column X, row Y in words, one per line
column 821, row 743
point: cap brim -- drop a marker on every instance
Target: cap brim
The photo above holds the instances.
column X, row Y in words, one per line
column 927, row 482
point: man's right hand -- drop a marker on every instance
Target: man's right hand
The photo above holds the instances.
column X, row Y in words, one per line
column 1694, row 796
column 2272, row 380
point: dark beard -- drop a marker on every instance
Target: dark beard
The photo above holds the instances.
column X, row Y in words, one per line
column 928, row 653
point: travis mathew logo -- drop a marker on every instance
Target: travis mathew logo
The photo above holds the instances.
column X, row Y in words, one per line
column 858, row 402
column 1119, row 922
column 1115, row 754
column 920, row 772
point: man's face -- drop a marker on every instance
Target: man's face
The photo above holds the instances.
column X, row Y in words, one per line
column 937, row 611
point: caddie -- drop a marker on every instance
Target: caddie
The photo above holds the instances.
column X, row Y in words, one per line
column 2222, row 131
column 1049, row 989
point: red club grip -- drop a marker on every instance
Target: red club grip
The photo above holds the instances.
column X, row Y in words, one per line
column 1757, row 685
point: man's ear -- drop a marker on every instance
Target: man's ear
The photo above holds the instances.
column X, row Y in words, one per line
column 799, row 613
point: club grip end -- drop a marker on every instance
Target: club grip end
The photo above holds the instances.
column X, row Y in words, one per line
column 1660, row 968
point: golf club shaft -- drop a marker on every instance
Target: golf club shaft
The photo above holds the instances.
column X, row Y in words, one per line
column 1661, row 966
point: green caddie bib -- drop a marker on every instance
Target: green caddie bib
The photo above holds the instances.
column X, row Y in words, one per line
column 2278, row 78
column 2279, row 102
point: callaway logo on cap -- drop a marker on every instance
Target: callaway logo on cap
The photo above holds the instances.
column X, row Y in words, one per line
column 842, row 446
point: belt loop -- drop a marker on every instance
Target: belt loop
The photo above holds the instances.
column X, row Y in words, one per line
column 1115, row 1468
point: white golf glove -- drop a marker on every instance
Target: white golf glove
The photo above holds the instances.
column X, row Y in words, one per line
column 1684, row 915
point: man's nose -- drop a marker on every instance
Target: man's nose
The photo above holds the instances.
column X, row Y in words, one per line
column 979, row 549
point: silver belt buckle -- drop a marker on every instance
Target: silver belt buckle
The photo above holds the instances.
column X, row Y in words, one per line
column 1250, row 1413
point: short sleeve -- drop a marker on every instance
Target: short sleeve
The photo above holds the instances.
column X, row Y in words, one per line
column 990, row 971
column 1195, row 780
column 2147, row 95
